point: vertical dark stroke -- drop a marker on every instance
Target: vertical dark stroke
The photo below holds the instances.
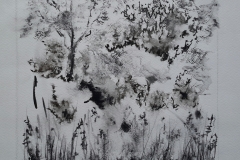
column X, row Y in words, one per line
column 34, row 95
column 44, row 107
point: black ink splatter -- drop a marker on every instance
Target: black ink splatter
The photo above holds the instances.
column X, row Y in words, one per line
column 125, row 127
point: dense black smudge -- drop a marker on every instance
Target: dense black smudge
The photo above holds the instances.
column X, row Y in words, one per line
column 34, row 95
column 198, row 114
column 186, row 96
column 184, row 33
column 99, row 96
column 161, row 52
column 151, row 79
column 125, row 127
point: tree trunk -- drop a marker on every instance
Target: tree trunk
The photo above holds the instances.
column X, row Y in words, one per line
column 71, row 65
column 71, row 57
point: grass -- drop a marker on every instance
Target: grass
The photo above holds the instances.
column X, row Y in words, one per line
column 196, row 145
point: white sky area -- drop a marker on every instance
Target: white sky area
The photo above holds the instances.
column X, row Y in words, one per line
column 16, row 80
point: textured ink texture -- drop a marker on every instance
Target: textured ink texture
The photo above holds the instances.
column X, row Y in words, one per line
column 123, row 79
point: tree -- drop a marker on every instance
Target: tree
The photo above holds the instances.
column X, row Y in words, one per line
column 71, row 20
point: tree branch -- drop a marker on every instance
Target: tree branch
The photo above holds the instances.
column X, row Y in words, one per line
column 62, row 35
column 71, row 7
column 79, row 39
column 88, row 28
column 39, row 14
column 65, row 43
column 54, row 4
column 94, row 4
